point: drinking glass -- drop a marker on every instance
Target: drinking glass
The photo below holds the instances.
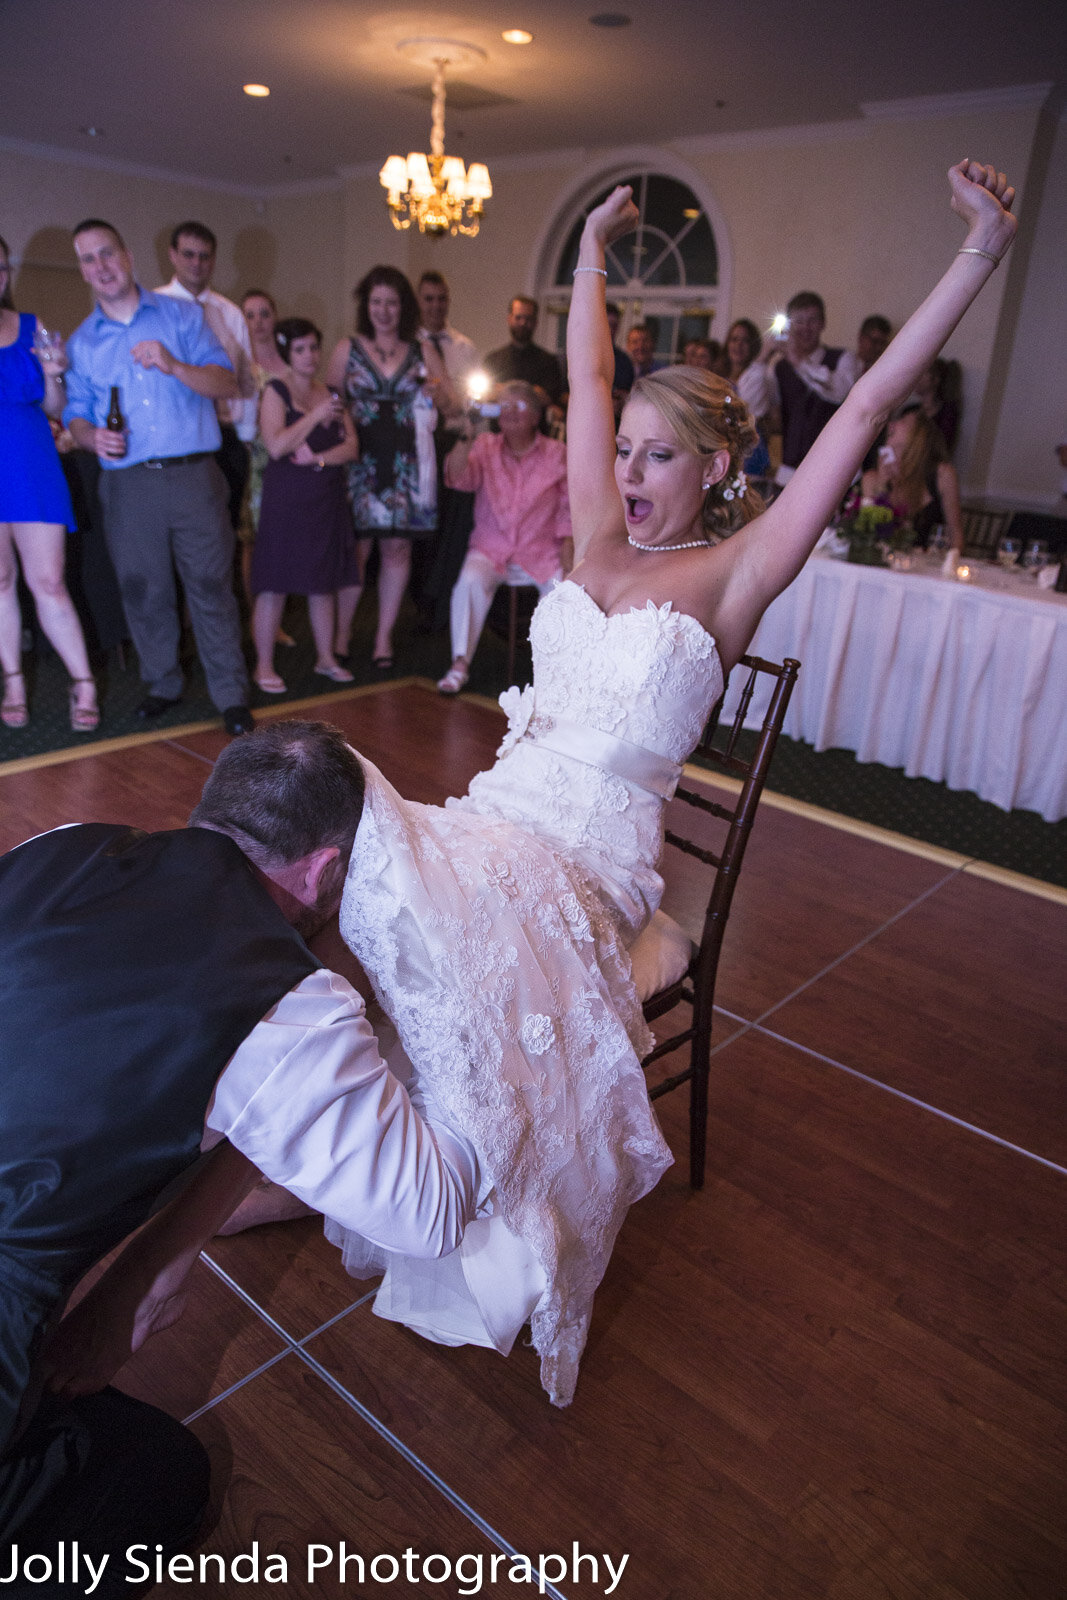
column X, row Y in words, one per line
column 1035, row 556
column 1008, row 552
column 938, row 540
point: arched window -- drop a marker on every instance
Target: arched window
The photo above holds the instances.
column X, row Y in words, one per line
column 665, row 275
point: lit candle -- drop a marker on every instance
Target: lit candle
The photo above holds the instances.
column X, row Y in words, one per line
column 478, row 385
column 963, row 573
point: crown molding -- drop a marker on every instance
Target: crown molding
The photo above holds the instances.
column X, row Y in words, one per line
column 1012, row 97
column 189, row 180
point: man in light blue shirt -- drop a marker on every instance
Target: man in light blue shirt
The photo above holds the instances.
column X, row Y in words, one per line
column 163, row 496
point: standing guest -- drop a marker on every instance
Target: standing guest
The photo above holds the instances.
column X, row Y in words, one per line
column 705, row 354
column 642, row 351
column 623, row 380
column 384, row 372
column 940, row 393
column 305, row 543
column 522, row 361
column 755, row 386
column 455, row 349
column 193, row 250
column 522, row 524
column 915, row 477
column 811, row 381
column 260, row 314
column 435, row 564
column 875, row 333
column 35, row 514
column 163, row 496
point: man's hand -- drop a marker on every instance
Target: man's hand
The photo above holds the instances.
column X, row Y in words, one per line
column 153, row 353
column 109, row 444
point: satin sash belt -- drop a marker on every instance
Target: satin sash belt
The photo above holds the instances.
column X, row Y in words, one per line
column 646, row 769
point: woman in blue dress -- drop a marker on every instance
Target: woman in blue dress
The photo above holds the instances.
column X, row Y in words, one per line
column 35, row 514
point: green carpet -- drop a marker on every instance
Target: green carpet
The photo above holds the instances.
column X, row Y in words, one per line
column 1019, row 840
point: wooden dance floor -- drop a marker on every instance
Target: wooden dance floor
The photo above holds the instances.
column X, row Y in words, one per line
column 836, row 1372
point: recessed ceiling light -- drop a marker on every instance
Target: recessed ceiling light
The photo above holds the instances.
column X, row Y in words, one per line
column 517, row 36
column 611, row 19
column 92, row 131
column 258, row 91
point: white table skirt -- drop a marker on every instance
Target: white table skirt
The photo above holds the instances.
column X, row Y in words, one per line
column 964, row 683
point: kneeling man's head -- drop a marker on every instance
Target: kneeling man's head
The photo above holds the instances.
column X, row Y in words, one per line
column 290, row 794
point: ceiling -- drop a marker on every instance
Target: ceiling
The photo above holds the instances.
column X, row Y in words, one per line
column 162, row 82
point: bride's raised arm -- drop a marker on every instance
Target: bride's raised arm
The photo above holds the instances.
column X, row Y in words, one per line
column 595, row 506
column 780, row 541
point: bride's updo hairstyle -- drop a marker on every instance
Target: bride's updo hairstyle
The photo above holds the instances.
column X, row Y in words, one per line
column 706, row 414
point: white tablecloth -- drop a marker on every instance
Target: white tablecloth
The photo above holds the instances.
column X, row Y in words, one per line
column 960, row 682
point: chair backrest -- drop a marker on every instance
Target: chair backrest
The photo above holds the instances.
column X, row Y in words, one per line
column 744, row 756
column 982, row 530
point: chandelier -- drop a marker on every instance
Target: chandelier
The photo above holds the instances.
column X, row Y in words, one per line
column 436, row 192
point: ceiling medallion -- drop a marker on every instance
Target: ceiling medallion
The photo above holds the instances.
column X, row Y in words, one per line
column 436, row 192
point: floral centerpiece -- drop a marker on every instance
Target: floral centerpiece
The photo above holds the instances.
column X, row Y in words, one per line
column 873, row 530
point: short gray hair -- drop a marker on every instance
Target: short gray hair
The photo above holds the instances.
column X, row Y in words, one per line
column 284, row 791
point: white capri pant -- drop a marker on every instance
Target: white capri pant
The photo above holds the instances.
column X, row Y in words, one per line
column 472, row 596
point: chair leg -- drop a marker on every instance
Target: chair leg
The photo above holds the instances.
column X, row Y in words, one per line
column 698, row 1101
column 513, row 629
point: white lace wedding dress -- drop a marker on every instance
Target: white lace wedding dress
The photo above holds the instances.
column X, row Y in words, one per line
column 495, row 931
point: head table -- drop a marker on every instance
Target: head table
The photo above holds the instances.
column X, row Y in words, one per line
column 962, row 682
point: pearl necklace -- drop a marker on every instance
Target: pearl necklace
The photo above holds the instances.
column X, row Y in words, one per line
column 690, row 544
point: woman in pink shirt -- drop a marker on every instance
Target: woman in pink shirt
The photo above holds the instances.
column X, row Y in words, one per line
column 522, row 522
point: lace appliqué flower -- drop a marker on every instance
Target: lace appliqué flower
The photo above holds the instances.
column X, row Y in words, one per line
column 538, row 1034
column 518, row 707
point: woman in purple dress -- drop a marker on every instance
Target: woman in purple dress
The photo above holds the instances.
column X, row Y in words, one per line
column 35, row 514
column 305, row 542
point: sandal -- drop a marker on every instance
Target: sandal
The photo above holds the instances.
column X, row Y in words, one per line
column 382, row 664
column 14, row 713
column 269, row 682
column 83, row 719
column 453, row 680
column 336, row 673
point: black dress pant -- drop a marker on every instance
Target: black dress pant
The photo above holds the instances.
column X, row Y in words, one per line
column 108, row 1472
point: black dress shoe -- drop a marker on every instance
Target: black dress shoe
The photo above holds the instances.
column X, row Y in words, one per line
column 153, row 705
column 237, row 719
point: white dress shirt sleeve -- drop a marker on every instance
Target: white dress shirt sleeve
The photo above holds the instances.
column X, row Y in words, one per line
column 309, row 1100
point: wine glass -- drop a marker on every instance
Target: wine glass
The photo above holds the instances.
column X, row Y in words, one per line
column 1008, row 552
column 1035, row 556
column 47, row 345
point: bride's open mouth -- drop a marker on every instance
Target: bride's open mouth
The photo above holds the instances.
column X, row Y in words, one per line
column 637, row 510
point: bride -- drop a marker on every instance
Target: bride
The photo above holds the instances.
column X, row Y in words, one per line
column 496, row 930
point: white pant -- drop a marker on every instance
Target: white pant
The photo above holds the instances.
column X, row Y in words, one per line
column 476, row 585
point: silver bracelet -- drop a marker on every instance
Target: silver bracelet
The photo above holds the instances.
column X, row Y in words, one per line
column 601, row 270
column 969, row 250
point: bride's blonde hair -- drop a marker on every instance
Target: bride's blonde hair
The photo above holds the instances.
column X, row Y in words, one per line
column 706, row 414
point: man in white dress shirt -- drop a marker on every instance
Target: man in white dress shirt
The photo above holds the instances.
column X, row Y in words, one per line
column 193, row 249
column 169, row 1004
column 436, row 563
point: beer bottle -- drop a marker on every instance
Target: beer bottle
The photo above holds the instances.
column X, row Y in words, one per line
column 114, row 419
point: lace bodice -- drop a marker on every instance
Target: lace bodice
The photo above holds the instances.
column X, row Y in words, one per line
column 646, row 676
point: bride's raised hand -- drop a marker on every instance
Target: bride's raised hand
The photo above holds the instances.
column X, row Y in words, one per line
column 613, row 217
column 983, row 197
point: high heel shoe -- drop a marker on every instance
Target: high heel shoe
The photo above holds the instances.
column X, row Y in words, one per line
column 14, row 713
column 83, row 719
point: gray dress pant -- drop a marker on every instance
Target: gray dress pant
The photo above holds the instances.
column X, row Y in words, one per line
column 159, row 520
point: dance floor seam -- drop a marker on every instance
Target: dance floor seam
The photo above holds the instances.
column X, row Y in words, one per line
column 910, row 1099
column 416, row 1462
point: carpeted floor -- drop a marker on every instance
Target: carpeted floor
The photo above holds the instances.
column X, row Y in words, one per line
column 1019, row 840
